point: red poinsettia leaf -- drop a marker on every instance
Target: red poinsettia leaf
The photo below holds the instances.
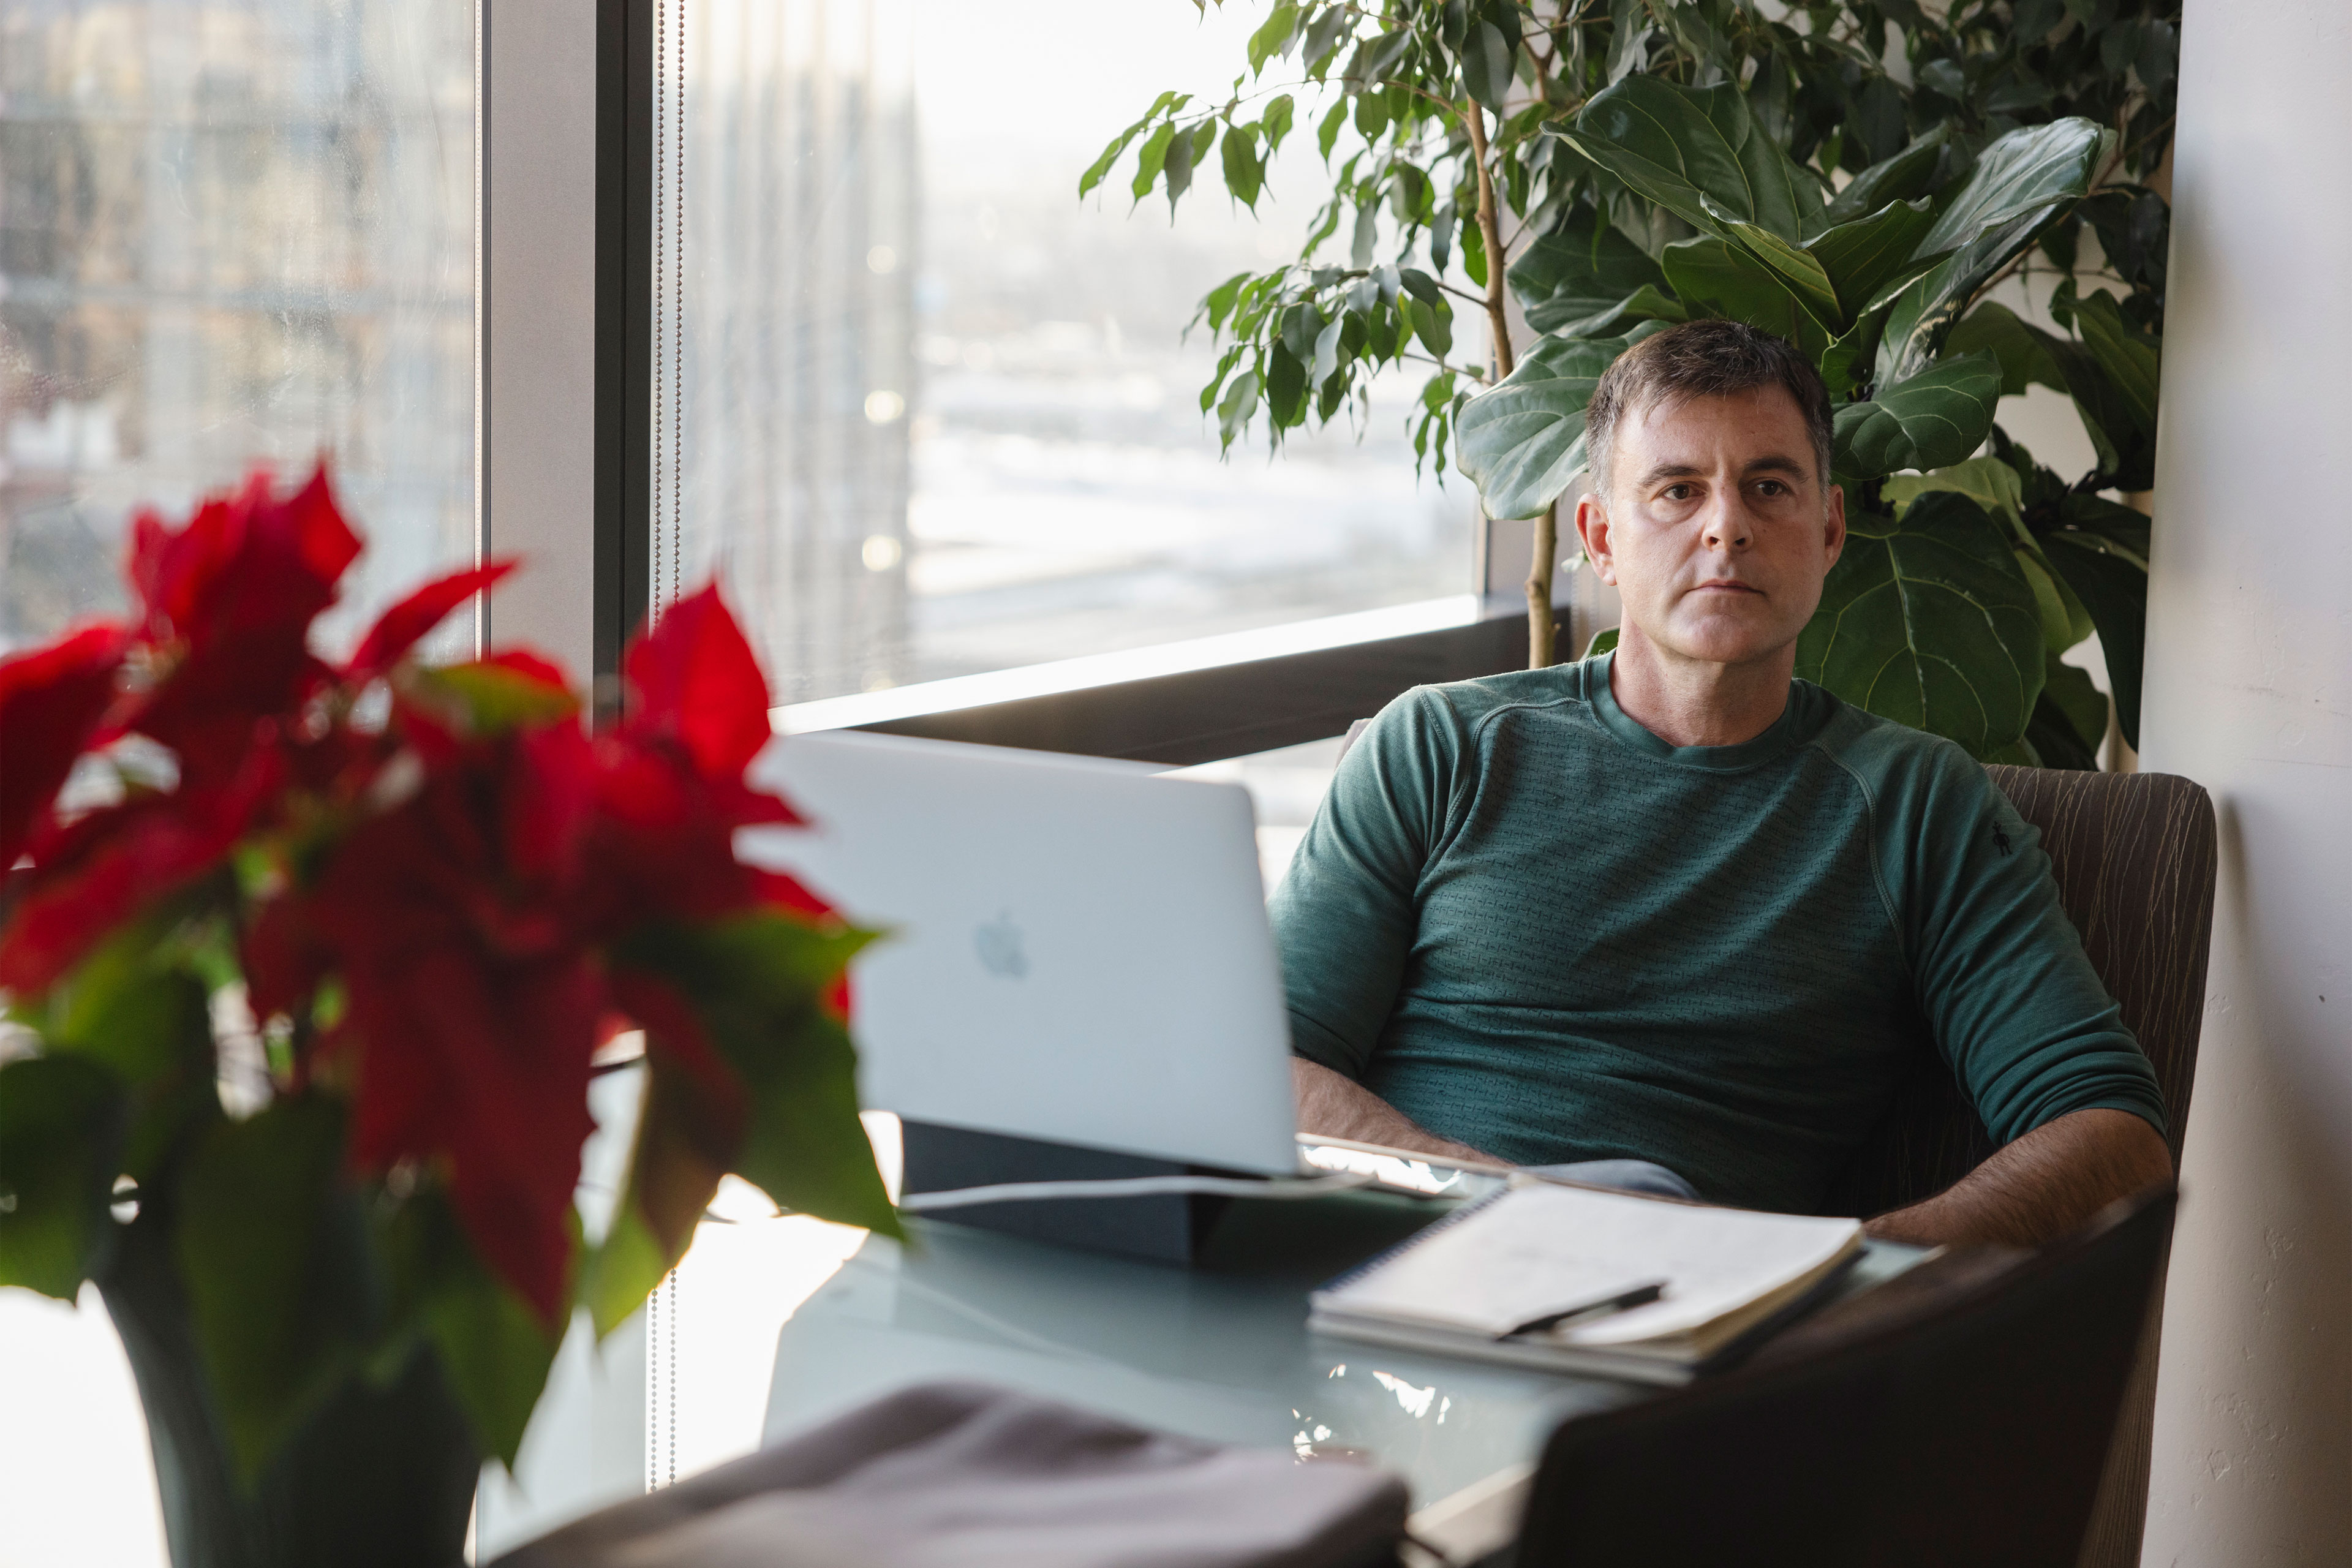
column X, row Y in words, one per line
column 782, row 890
column 51, row 700
column 695, row 678
column 124, row 860
column 472, row 1057
column 409, row 621
column 324, row 542
column 550, row 798
column 282, row 958
column 171, row 569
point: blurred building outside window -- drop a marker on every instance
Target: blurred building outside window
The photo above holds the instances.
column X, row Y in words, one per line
column 231, row 232
column 938, row 417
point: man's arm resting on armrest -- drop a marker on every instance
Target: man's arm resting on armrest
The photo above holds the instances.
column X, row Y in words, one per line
column 1335, row 1105
column 2040, row 1187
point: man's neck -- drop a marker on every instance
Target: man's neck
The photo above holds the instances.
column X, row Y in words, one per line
column 1686, row 702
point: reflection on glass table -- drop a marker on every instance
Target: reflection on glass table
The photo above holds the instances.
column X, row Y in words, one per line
column 1221, row 1351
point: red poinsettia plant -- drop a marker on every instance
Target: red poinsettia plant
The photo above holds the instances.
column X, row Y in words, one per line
column 438, row 892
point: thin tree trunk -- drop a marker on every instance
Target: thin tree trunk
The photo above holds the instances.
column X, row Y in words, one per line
column 1540, row 628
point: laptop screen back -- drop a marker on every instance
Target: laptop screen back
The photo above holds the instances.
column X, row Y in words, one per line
column 1077, row 950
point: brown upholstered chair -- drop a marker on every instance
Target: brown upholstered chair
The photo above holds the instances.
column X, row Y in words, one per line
column 2134, row 857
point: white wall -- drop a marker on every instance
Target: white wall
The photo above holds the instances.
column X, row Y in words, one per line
column 2250, row 692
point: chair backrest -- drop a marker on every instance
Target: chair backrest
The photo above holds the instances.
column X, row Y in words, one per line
column 1975, row 1431
column 2133, row 858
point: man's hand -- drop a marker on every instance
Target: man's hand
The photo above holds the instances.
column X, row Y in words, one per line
column 1337, row 1107
column 2040, row 1187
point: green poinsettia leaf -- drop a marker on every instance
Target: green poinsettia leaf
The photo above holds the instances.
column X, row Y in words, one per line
column 282, row 1288
column 495, row 1352
column 493, row 697
column 1928, row 621
column 1585, row 265
column 754, row 984
column 689, row 1134
column 1939, row 416
column 61, row 1126
column 1675, row 145
column 2023, row 183
column 1522, row 440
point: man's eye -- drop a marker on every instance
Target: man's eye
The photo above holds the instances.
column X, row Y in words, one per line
column 1680, row 492
column 1773, row 487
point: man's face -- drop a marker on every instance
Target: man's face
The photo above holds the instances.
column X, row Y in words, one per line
column 1717, row 530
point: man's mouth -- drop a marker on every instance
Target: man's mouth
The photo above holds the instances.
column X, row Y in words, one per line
column 1728, row 585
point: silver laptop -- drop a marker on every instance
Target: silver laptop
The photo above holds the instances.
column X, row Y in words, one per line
column 1078, row 948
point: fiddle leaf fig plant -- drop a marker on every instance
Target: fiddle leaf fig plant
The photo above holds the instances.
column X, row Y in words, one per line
column 1859, row 176
column 1943, row 613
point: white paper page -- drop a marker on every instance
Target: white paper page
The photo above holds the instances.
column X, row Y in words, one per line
column 1540, row 1247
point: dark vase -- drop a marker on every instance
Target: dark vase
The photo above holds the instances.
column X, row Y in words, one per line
column 378, row 1477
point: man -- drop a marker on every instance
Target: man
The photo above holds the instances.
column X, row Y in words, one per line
column 1672, row 905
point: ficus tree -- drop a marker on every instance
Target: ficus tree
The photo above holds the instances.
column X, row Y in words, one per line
column 1452, row 133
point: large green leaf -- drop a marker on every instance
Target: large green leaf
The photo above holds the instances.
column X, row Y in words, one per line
column 1928, row 622
column 61, row 1125
column 2021, row 184
column 1907, row 176
column 1796, row 265
column 2024, row 349
column 2131, row 359
column 754, row 984
column 1643, row 304
column 2114, row 588
column 1719, row 279
column 1522, row 440
column 2026, row 171
column 493, row 1349
column 1938, row 417
column 689, row 1135
column 1676, row 144
column 1587, row 265
column 2071, row 719
column 281, row 1287
column 1864, row 259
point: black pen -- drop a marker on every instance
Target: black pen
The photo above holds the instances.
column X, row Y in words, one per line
column 1640, row 1295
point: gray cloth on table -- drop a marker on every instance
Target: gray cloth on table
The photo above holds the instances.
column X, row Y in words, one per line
column 957, row 1475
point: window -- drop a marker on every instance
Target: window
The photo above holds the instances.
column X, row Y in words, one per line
column 231, row 232
column 926, row 412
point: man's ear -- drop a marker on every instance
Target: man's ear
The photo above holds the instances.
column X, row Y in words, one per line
column 1592, row 530
column 1835, row 532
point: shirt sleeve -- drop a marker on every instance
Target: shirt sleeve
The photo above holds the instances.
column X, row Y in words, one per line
column 1345, row 914
column 2016, row 1010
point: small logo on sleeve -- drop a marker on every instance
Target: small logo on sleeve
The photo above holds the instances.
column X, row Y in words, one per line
column 2000, row 839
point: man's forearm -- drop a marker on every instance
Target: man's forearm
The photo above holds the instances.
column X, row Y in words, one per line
column 1339, row 1106
column 2042, row 1186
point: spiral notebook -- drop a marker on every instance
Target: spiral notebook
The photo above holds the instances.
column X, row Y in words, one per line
column 1580, row 1279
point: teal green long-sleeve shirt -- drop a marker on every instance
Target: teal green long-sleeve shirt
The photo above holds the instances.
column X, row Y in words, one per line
column 1535, row 927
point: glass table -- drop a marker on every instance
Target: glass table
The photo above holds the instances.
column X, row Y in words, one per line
column 1220, row 1351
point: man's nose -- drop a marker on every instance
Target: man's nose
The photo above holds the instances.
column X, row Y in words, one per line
column 1727, row 520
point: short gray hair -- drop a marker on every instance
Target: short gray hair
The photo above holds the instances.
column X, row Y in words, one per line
column 1701, row 359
